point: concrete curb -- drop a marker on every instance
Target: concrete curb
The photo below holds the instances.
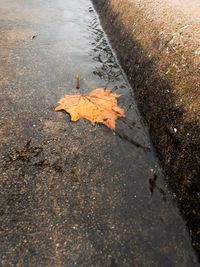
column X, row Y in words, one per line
column 157, row 44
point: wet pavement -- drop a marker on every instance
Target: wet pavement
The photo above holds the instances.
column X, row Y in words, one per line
column 73, row 194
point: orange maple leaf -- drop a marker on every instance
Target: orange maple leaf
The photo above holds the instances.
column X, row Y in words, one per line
column 100, row 105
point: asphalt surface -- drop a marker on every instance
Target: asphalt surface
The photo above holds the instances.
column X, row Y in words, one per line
column 73, row 194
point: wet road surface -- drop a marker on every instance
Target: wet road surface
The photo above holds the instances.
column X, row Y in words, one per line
column 72, row 194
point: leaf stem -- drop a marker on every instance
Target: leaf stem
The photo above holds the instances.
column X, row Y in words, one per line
column 77, row 81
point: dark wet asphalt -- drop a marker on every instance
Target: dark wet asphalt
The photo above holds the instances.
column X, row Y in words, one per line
column 73, row 194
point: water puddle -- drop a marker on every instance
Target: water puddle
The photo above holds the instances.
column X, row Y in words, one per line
column 73, row 194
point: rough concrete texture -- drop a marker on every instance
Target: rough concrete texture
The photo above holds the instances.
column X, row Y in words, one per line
column 158, row 44
column 72, row 194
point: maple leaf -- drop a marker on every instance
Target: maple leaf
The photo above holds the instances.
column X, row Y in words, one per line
column 100, row 105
